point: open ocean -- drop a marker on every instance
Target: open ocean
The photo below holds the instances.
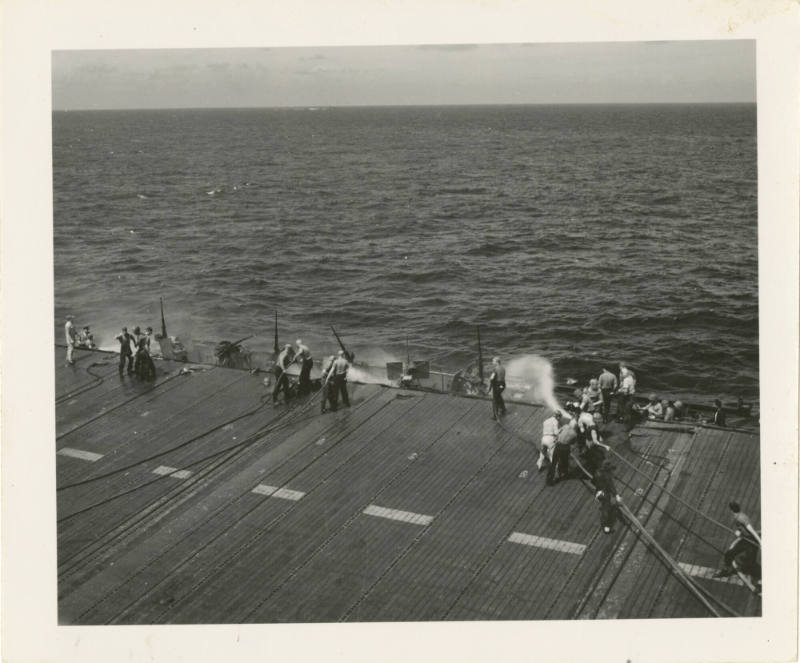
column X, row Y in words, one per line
column 586, row 234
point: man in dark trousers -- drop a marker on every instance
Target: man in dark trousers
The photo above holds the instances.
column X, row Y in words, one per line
column 567, row 435
column 742, row 554
column 719, row 413
column 607, row 495
column 328, row 397
column 338, row 375
column 303, row 357
column 126, row 344
column 497, row 381
column 608, row 386
column 285, row 359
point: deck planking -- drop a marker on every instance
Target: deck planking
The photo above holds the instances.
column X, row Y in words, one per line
column 138, row 547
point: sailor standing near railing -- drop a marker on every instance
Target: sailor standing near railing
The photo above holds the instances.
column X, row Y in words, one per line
column 303, row 356
column 327, row 396
column 338, row 374
column 69, row 336
column 285, row 359
column 608, row 385
column 125, row 351
column 497, row 381
column 625, row 395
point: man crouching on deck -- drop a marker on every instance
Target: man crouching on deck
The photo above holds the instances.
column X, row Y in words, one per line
column 742, row 555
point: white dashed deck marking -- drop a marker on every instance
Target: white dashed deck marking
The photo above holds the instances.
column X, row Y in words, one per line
column 174, row 472
column 705, row 572
column 282, row 493
column 548, row 544
column 402, row 516
column 77, row 453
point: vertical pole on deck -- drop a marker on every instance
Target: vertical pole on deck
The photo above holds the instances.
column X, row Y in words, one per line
column 163, row 322
column 275, row 344
column 480, row 356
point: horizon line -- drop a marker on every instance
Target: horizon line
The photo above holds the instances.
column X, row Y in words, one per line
column 446, row 105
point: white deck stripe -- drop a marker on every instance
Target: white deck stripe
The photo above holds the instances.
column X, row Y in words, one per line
column 77, row 453
column 548, row 544
column 402, row 516
column 165, row 470
column 705, row 572
column 286, row 494
column 282, row 493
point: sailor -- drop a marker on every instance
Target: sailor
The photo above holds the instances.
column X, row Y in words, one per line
column 125, row 351
column 625, row 395
column 143, row 365
column 607, row 495
column 719, row 413
column 567, row 435
column 587, row 431
column 338, row 375
column 327, row 392
column 608, row 385
column 86, row 339
column 549, row 434
column 742, row 554
column 303, row 356
column 653, row 409
column 285, row 359
column 592, row 397
column 70, row 338
column 497, row 381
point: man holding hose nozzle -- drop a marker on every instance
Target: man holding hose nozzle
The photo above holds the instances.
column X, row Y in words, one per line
column 285, row 359
column 303, row 356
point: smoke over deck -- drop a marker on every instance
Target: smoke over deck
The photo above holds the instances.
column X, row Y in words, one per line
column 532, row 375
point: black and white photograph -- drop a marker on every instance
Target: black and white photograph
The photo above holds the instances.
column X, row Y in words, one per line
column 411, row 334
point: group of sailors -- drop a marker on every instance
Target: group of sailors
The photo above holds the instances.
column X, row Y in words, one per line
column 134, row 349
column 333, row 380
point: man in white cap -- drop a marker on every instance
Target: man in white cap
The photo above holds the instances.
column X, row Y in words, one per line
column 70, row 337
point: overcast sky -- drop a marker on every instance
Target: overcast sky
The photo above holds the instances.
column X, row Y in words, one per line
column 620, row 72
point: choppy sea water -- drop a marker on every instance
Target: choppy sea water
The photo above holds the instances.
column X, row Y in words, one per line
column 586, row 234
